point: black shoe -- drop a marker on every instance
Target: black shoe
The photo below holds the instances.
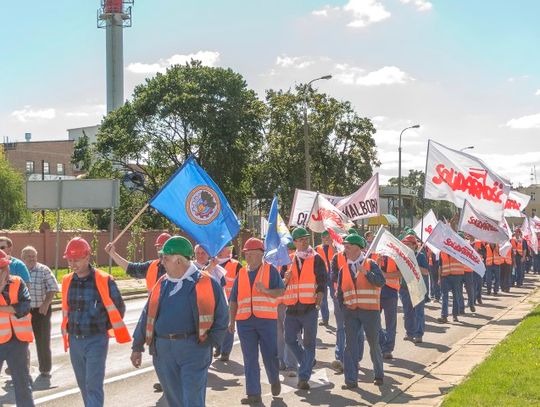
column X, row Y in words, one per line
column 408, row 338
column 479, row 301
column 472, row 308
column 323, row 323
column 455, row 318
column 349, row 386
column 217, row 352
column 387, row 355
column 158, row 388
column 378, row 381
column 442, row 320
column 224, row 357
column 276, row 389
column 303, row 385
column 251, row 400
column 417, row 339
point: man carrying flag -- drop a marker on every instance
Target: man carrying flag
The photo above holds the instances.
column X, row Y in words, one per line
column 519, row 249
column 326, row 250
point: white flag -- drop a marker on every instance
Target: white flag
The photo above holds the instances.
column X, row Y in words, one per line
column 505, row 248
column 516, row 204
column 448, row 241
column 386, row 244
column 480, row 226
column 362, row 204
column 325, row 216
column 455, row 176
column 429, row 222
column 535, row 223
column 529, row 234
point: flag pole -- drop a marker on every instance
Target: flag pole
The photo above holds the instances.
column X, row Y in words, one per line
column 131, row 222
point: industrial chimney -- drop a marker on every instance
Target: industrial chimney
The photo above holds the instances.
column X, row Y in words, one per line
column 114, row 15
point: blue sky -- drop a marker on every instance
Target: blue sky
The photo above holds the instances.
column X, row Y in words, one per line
column 467, row 71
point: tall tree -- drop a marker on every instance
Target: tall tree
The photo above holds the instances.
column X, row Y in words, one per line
column 12, row 201
column 341, row 146
column 191, row 109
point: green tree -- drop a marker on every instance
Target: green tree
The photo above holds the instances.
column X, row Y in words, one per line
column 191, row 109
column 341, row 146
column 82, row 153
column 12, row 201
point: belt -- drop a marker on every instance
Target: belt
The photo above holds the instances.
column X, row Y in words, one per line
column 176, row 336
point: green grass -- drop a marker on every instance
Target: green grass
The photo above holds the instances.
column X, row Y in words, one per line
column 117, row 272
column 510, row 376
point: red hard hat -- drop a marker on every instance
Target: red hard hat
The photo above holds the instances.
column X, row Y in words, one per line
column 409, row 239
column 161, row 239
column 77, row 248
column 253, row 244
column 4, row 259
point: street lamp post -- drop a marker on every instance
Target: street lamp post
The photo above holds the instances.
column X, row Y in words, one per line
column 306, row 130
column 399, row 173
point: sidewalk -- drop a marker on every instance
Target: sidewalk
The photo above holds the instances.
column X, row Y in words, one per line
column 452, row 368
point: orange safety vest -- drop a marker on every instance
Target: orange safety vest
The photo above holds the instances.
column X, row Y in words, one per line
column 360, row 294
column 206, row 304
column 230, row 276
column 9, row 323
column 493, row 256
column 389, row 266
column 119, row 329
column 450, row 266
column 301, row 289
column 327, row 260
column 151, row 275
column 250, row 300
column 508, row 258
column 517, row 246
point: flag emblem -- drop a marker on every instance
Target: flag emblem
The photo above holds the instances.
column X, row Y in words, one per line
column 203, row 205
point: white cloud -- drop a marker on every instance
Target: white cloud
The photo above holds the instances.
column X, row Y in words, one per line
column 387, row 75
column 27, row 113
column 208, row 58
column 285, row 61
column 87, row 111
column 537, row 93
column 525, row 122
column 421, row 5
column 360, row 13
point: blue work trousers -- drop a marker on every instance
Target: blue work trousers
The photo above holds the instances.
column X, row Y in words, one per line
column 478, row 284
column 520, row 273
column 357, row 321
column 285, row 353
column 468, row 282
column 536, row 264
column 409, row 313
column 387, row 336
column 434, row 286
column 15, row 352
column 305, row 352
column 227, row 345
column 88, row 356
column 182, row 368
column 258, row 334
column 493, row 278
column 451, row 283
column 325, row 313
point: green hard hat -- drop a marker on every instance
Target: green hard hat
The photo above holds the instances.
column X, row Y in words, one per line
column 299, row 233
column 356, row 239
column 178, row 245
column 352, row 231
column 291, row 246
column 325, row 233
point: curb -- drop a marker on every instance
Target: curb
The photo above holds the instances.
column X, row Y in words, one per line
column 401, row 390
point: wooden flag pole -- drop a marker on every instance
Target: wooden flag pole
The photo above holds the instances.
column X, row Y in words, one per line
column 131, row 222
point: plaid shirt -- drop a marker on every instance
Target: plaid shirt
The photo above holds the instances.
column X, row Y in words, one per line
column 87, row 315
column 43, row 282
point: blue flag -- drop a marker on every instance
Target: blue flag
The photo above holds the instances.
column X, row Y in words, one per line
column 193, row 201
column 277, row 238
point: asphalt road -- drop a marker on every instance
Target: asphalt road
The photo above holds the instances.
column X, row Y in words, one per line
column 126, row 385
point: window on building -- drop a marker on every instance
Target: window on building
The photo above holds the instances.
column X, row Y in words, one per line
column 60, row 169
column 29, row 167
column 46, row 169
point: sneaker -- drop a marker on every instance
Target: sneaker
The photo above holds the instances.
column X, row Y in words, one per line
column 349, row 386
column 251, row 400
column 276, row 389
column 378, row 381
column 158, row 388
column 408, row 338
column 387, row 355
column 455, row 318
column 337, row 366
column 224, row 357
column 303, row 385
column 417, row 339
column 442, row 320
column 472, row 308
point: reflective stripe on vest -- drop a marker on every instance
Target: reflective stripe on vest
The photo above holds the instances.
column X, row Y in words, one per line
column 206, row 304
column 9, row 323
column 118, row 330
column 360, row 294
column 450, row 266
column 151, row 275
column 517, row 246
column 493, row 256
column 301, row 288
column 252, row 301
column 389, row 266
column 230, row 276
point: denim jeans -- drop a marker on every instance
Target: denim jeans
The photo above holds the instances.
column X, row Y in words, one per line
column 435, row 288
column 305, row 352
column 468, row 281
column 493, row 278
column 409, row 316
column 451, row 283
column 325, row 313
column 88, row 356
column 387, row 336
column 14, row 352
